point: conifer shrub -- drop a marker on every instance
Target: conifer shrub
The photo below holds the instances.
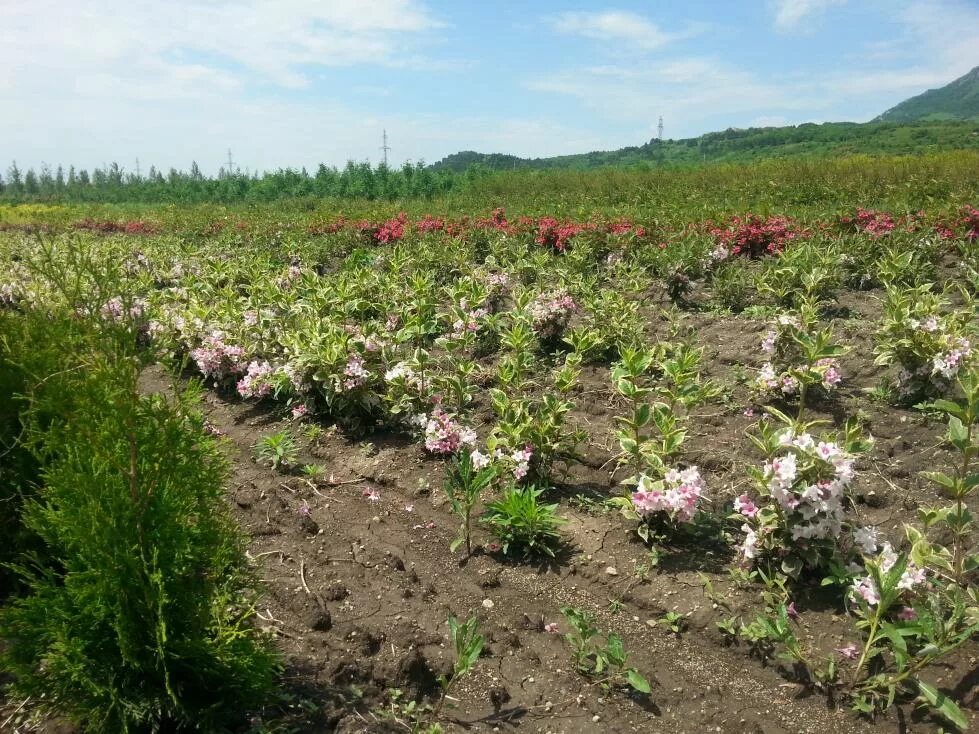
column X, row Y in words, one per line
column 135, row 608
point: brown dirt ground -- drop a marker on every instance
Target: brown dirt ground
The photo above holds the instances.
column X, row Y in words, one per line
column 357, row 595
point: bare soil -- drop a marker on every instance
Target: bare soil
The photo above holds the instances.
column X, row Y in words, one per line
column 358, row 590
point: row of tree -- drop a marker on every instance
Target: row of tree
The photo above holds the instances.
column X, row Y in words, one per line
column 113, row 184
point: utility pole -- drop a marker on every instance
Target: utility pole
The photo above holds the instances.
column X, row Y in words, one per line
column 231, row 164
column 659, row 128
column 385, row 147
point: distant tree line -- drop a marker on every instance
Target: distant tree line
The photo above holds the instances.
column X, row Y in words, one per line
column 113, row 184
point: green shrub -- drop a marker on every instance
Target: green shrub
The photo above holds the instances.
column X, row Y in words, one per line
column 141, row 621
column 523, row 523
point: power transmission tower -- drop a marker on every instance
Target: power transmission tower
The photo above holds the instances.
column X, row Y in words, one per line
column 659, row 128
column 137, row 168
column 231, row 164
column 385, row 147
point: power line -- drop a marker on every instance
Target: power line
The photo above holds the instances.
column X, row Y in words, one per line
column 385, row 147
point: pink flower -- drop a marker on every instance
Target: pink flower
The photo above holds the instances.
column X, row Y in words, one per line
column 372, row 495
column 849, row 652
column 745, row 506
column 551, row 628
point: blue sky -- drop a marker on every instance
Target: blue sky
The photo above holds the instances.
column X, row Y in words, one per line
column 297, row 82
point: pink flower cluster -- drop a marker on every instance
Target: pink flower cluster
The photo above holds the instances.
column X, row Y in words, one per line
column 115, row 310
column 255, row 383
column 970, row 221
column 551, row 313
column 865, row 588
column 870, row 221
column 217, row 359
column 469, row 323
column 355, row 374
column 678, row 494
column 753, row 236
column 808, row 480
column 947, row 364
column 551, row 233
column 443, row 435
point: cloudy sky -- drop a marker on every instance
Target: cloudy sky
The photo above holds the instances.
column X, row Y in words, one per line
column 296, row 82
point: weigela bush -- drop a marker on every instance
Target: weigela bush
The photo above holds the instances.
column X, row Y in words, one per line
column 799, row 356
column 752, row 236
column 927, row 341
column 554, row 234
column 796, row 514
column 868, row 221
column 218, row 360
column 551, row 313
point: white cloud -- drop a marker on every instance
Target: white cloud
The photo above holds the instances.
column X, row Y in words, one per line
column 789, row 14
column 274, row 39
column 682, row 90
column 769, row 121
column 613, row 25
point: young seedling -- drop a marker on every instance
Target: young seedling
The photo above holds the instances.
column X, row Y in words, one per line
column 468, row 645
column 464, row 485
column 606, row 663
column 278, row 449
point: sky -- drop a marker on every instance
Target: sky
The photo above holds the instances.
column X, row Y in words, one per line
column 292, row 83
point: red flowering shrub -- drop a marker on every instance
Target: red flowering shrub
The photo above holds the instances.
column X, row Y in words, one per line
column 753, row 236
column 392, row 230
column 321, row 228
column 428, row 223
column 551, row 233
column 869, row 221
column 970, row 221
column 106, row 226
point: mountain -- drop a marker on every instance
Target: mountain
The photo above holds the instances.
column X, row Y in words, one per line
column 939, row 119
column 958, row 100
column 829, row 139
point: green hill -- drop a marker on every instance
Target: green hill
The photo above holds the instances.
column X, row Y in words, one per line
column 829, row 139
column 958, row 100
column 939, row 119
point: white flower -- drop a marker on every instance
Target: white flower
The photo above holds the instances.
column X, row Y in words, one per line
column 866, row 538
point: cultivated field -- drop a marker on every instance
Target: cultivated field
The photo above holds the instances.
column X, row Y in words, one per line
column 690, row 454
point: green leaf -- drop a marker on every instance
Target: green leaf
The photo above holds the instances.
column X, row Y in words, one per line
column 637, row 681
column 939, row 478
column 943, row 705
column 455, row 544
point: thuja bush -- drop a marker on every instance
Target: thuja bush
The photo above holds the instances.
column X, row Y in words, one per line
column 140, row 617
column 134, row 611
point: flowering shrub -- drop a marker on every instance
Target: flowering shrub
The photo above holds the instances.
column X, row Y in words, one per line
column 970, row 223
column 443, row 435
column 797, row 515
column 115, row 309
column 799, row 357
column 551, row 313
column 554, row 234
column 216, row 359
column 392, row 230
column 869, row 221
column 428, row 223
column 752, row 236
column 929, row 343
column 256, row 382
